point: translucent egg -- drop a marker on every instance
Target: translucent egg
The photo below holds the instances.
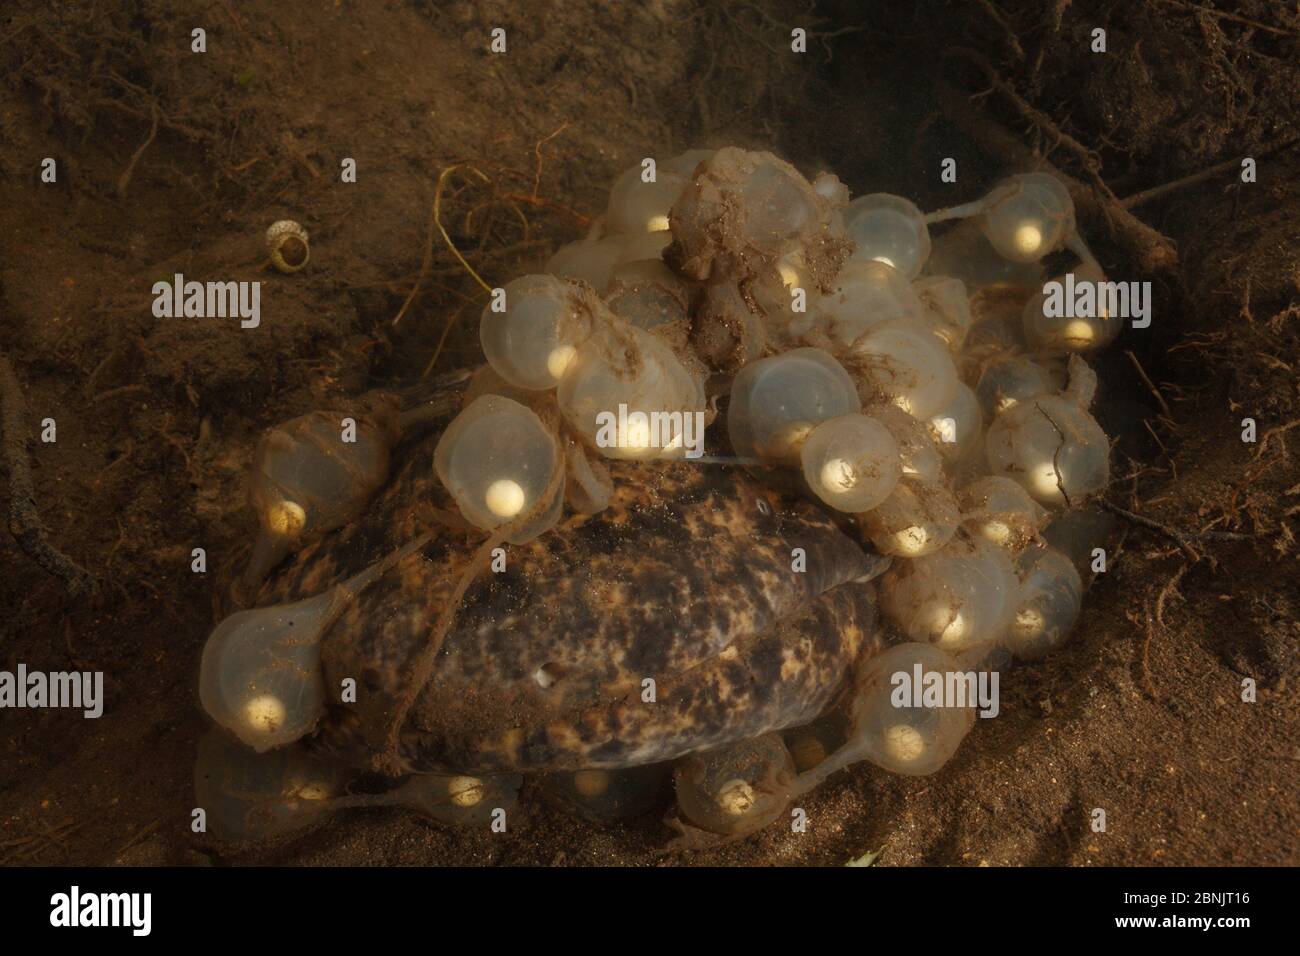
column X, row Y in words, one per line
column 593, row 260
column 919, row 517
column 727, row 331
column 638, row 206
column 533, row 341
column 1000, row 511
column 865, row 294
column 776, row 402
column 888, row 229
column 896, row 724
column 947, row 309
column 587, row 484
column 738, row 788
column 629, row 396
column 959, row 598
column 308, row 479
column 1052, row 447
column 261, row 676
column 252, row 796
column 964, row 252
column 606, row 795
column 1027, row 216
column 917, row 451
column 905, row 366
column 1051, row 595
column 647, row 294
column 957, row 427
column 1091, row 328
column 1079, row 532
column 851, row 462
column 1011, row 380
column 499, row 462
column 455, row 799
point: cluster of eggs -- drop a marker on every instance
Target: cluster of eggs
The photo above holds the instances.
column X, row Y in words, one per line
column 913, row 384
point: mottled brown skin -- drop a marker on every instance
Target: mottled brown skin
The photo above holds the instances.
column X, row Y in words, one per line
column 686, row 579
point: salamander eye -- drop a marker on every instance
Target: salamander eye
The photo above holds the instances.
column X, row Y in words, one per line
column 776, row 402
column 737, row 788
column 500, row 463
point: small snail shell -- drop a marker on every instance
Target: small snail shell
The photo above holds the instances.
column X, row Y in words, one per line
column 286, row 243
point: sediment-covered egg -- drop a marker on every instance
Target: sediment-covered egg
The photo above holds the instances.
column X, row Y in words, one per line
column 917, row 451
column 727, row 331
column 957, row 427
column 647, row 294
column 1079, row 323
column 594, row 259
column 316, row 473
column 776, row 402
column 1048, row 604
column 737, row 788
column 864, row 295
column 901, row 722
column 1011, row 380
column 919, row 517
column 999, row 510
column 532, row 342
column 906, row 366
column 851, row 462
column 741, row 205
column 499, row 461
column 604, row 795
column 629, row 395
column 947, row 309
column 888, row 229
column 1052, row 447
column 958, row 598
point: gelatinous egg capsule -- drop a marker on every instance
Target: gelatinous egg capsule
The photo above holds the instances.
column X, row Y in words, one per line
column 607, row 795
column 965, row 253
column 959, row 598
column 532, row 341
column 906, row 366
column 947, row 309
column 1025, row 216
column 499, row 462
column 641, row 204
column 727, row 332
column 587, row 484
column 1001, row 511
column 738, row 788
column 905, row 718
column 919, row 517
column 851, row 462
column 917, row 452
column 456, row 799
column 888, row 229
column 811, row 744
column 261, row 675
column 647, row 294
column 760, row 205
column 1075, row 318
column 1084, row 535
column 629, row 395
column 1051, row 595
column 957, row 427
column 315, row 473
column 1011, row 380
column 594, row 259
column 776, row 402
column 1052, row 447
column 250, row 796
column 864, row 295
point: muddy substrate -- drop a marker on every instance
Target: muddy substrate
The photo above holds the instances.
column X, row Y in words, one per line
column 175, row 162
